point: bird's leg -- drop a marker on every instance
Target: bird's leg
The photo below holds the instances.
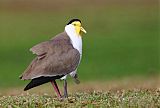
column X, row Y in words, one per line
column 65, row 89
column 55, row 86
column 75, row 78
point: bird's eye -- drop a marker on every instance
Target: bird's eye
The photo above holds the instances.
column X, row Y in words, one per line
column 74, row 24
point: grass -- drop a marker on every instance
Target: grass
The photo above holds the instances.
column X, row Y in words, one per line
column 122, row 99
column 122, row 39
column 126, row 93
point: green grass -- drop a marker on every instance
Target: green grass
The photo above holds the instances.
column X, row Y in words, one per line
column 122, row 40
column 116, row 99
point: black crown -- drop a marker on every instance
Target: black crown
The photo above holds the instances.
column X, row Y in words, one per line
column 73, row 21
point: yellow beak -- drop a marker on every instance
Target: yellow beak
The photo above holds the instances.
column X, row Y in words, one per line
column 83, row 30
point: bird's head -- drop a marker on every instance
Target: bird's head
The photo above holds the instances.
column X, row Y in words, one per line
column 77, row 25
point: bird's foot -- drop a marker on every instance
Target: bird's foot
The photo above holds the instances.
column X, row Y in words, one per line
column 65, row 96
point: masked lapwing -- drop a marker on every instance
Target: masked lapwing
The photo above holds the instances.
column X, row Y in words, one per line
column 56, row 58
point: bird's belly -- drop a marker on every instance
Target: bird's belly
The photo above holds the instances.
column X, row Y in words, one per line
column 72, row 74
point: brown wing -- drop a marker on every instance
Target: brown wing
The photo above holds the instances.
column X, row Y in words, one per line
column 54, row 57
column 41, row 49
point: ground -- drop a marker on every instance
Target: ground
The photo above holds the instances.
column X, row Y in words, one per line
column 122, row 98
column 128, row 93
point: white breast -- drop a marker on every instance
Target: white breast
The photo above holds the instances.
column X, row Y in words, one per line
column 75, row 39
column 76, row 42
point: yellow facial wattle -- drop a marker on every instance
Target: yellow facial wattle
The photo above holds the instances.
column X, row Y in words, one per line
column 78, row 27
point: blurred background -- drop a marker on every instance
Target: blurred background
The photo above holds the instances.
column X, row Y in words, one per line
column 122, row 39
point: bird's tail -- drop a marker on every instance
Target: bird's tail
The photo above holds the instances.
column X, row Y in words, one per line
column 40, row 80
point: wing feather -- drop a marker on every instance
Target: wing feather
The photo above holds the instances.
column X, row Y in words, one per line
column 54, row 57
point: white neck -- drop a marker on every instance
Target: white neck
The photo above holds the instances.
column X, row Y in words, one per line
column 75, row 39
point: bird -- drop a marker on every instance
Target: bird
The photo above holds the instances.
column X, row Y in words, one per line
column 56, row 59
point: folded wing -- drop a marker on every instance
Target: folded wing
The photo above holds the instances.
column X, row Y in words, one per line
column 54, row 58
